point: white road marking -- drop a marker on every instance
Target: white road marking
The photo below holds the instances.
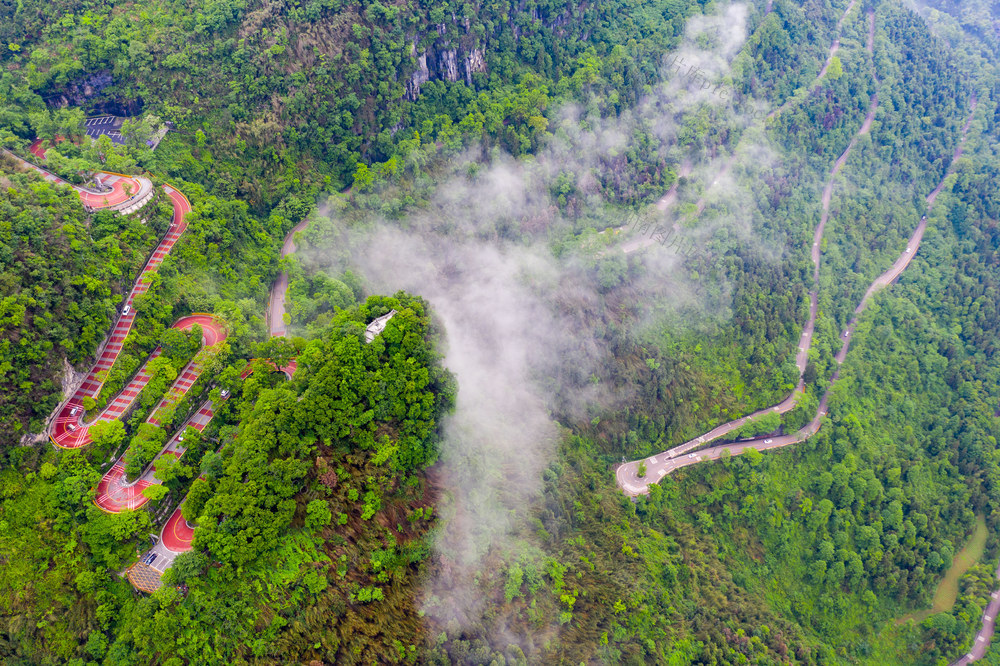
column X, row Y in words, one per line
column 653, row 460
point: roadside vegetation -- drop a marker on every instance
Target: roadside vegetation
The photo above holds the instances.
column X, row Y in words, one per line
column 316, row 499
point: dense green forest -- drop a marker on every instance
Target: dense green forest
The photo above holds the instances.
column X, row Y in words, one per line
column 325, row 505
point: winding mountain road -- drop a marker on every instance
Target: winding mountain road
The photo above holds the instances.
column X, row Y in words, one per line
column 670, row 198
column 661, row 464
column 177, row 535
column 834, row 47
column 276, row 304
column 981, row 643
column 69, row 430
column 689, row 453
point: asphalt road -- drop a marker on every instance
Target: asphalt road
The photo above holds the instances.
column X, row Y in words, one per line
column 663, row 463
column 834, row 47
column 276, row 305
column 670, row 197
column 981, row 643
column 683, row 455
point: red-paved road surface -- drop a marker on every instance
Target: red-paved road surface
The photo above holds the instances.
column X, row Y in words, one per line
column 37, row 150
column 212, row 334
column 177, row 534
column 115, row 493
column 122, row 188
column 67, row 431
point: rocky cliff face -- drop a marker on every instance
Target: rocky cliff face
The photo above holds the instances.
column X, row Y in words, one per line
column 444, row 64
column 463, row 54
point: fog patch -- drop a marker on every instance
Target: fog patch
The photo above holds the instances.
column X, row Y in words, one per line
column 525, row 312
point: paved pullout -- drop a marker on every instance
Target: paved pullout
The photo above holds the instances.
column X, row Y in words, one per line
column 115, row 191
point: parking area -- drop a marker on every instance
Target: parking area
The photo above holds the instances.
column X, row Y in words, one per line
column 110, row 126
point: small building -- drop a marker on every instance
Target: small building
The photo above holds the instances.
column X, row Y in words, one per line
column 378, row 326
